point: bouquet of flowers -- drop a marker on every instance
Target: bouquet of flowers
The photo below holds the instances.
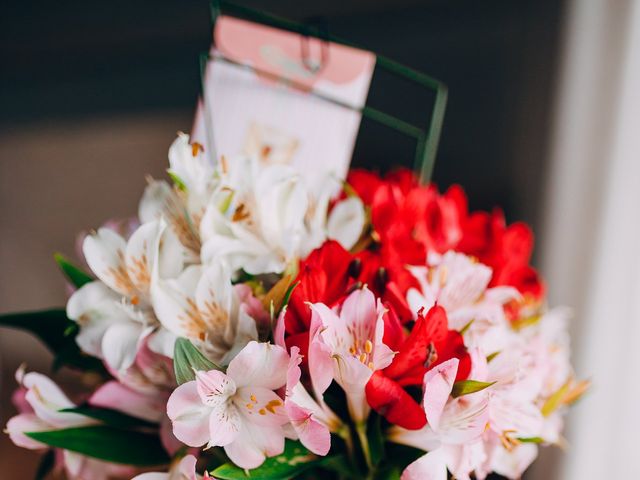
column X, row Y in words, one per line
column 250, row 324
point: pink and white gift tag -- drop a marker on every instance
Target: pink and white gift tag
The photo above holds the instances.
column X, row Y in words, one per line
column 249, row 111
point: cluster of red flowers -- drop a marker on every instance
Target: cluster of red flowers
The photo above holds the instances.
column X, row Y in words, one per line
column 408, row 223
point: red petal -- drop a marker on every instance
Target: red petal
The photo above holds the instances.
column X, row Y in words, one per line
column 427, row 329
column 390, row 400
column 365, row 183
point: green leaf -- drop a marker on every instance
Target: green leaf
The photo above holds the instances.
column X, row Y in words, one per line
column 339, row 464
column 375, row 438
column 46, row 464
column 465, row 387
column 555, row 400
column 388, row 472
column 107, row 443
column 111, row 417
column 493, row 355
column 57, row 332
column 531, row 439
column 48, row 325
column 177, row 181
column 76, row 276
column 287, row 295
column 187, row 359
column 292, row 462
column 70, row 355
column 466, row 327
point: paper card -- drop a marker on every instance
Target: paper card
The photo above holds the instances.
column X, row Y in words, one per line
column 249, row 111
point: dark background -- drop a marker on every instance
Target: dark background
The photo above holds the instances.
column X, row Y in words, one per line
column 92, row 93
column 75, row 59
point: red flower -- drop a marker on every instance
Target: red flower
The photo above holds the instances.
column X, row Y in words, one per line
column 506, row 249
column 410, row 221
column 429, row 343
column 323, row 277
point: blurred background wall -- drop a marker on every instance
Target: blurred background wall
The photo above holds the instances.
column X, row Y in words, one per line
column 92, row 94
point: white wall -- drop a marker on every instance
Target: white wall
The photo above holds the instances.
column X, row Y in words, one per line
column 591, row 241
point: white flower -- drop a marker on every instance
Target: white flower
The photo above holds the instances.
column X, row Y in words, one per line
column 459, row 284
column 203, row 305
column 114, row 312
column 262, row 217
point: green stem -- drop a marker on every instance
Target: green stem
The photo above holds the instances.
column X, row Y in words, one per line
column 344, row 432
column 361, row 429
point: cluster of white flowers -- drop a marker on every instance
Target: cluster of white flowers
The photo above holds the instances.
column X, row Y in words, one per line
column 173, row 276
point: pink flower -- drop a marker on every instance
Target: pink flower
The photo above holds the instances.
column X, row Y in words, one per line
column 44, row 400
column 40, row 402
column 349, row 346
column 185, row 469
column 237, row 410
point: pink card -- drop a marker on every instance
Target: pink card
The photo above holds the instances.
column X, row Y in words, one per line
column 256, row 112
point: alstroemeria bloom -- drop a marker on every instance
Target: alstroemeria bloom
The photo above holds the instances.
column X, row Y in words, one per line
column 237, row 410
column 412, row 220
column 453, row 435
column 182, row 205
column 202, row 304
column 262, row 217
column 114, row 312
column 351, row 339
column 185, row 469
column 40, row 401
column 429, row 344
column 460, row 285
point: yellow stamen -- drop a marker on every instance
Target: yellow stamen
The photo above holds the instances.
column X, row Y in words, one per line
column 444, row 273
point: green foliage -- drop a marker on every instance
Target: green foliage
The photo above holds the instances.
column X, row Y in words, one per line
column 107, row 443
column 46, row 465
column 375, row 438
column 187, row 359
column 177, row 181
column 110, row 417
column 57, row 332
column 75, row 275
column 465, row 387
column 292, row 462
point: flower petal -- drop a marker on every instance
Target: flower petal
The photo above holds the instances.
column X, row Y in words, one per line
column 438, row 383
column 346, row 222
column 104, row 252
column 214, row 387
column 95, row 307
column 431, row 466
column 46, row 399
column 388, row 398
column 26, row 422
column 260, row 365
column 224, row 425
column 313, row 434
column 261, row 406
column 116, row 396
column 214, row 295
column 189, row 416
column 120, row 344
column 254, row 444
